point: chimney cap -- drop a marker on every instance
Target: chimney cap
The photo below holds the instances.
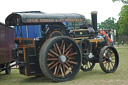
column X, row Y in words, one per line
column 94, row 12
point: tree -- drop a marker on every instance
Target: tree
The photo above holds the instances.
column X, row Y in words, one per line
column 108, row 24
column 88, row 21
column 123, row 21
column 123, row 1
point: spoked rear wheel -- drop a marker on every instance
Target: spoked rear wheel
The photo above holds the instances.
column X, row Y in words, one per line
column 108, row 59
column 60, row 58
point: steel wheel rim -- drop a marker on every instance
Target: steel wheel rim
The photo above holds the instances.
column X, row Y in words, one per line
column 110, row 61
column 62, row 59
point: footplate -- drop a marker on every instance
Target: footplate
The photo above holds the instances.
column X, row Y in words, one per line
column 27, row 54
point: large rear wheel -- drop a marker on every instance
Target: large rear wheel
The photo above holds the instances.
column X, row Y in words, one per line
column 60, row 58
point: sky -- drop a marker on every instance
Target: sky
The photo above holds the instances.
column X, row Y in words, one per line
column 105, row 8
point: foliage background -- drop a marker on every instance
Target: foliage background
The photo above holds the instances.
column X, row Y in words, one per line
column 120, row 25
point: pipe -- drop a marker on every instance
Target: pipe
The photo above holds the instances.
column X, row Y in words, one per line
column 94, row 20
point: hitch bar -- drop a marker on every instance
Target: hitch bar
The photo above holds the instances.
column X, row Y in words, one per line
column 17, row 63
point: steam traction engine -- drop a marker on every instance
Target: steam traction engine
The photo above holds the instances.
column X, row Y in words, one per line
column 67, row 44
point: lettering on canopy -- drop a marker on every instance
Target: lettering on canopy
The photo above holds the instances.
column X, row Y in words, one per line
column 55, row 20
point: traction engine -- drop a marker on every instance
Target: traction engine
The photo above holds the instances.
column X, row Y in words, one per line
column 67, row 45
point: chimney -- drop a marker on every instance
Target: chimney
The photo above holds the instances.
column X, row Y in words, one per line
column 94, row 20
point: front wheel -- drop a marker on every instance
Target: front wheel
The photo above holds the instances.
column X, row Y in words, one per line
column 60, row 58
column 108, row 59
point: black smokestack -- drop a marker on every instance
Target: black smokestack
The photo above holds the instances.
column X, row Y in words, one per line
column 94, row 20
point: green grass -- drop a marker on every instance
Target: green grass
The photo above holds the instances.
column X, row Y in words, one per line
column 94, row 77
column 123, row 46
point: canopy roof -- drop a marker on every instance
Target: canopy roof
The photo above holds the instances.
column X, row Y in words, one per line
column 37, row 17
